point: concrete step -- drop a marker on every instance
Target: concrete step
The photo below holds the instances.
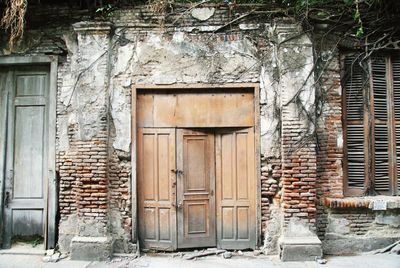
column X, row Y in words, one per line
column 300, row 248
column 84, row 248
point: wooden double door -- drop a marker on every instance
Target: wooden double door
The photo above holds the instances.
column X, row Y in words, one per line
column 196, row 188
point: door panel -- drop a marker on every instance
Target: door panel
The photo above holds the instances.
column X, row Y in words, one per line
column 27, row 147
column 196, row 186
column 28, row 153
column 157, row 188
column 195, row 108
column 236, row 189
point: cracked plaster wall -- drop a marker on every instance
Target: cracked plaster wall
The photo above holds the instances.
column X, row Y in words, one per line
column 169, row 59
column 95, row 82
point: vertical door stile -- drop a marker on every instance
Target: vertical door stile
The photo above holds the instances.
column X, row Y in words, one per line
column 3, row 138
column 8, row 163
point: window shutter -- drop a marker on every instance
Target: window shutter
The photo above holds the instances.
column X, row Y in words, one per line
column 380, row 110
column 396, row 91
column 355, row 156
column 353, row 84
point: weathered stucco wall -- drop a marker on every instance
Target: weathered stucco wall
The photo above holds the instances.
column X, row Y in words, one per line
column 301, row 136
column 187, row 58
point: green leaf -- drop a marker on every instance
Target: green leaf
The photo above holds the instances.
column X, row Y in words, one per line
column 360, row 31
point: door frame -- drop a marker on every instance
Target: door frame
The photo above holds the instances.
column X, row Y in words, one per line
column 257, row 138
column 51, row 191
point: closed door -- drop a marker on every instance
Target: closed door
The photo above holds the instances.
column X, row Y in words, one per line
column 157, row 188
column 236, row 188
column 25, row 171
column 196, row 188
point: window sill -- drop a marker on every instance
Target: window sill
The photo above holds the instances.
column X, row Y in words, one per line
column 392, row 202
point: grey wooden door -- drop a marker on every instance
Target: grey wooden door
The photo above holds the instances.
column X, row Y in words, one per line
column 25, row 172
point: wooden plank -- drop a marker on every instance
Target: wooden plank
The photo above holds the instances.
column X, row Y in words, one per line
column 156, row 188
column 195, row 189
column 257, row 157
column 26, row 60
column 211, row 87
column 392, row 129
column 395, row 62
column 9, row 163
column 51, row 206
column 236, row 189
column 344, row 126
column 193, row 109
column 369, row 133
column 134, row 170
column 3, row 137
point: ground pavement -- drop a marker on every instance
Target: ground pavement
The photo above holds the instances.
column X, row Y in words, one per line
column 247, row 260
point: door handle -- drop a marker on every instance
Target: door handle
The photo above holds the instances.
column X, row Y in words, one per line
column 177, row 171
column 180, row 205
column 7, row 199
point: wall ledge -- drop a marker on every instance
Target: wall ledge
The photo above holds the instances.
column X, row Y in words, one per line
column 369, row 202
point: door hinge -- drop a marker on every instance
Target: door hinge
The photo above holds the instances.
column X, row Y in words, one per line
column 7, row 199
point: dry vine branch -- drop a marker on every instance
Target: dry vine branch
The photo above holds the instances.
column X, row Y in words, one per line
column 14, row 19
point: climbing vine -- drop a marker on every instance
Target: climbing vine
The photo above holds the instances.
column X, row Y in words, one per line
column 366, row 20
column 13, row 20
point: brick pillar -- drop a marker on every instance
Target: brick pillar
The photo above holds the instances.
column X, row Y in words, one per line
column 299, row 169
column 88, row 152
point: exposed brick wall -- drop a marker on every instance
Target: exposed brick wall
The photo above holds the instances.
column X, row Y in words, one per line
column 84, row 178
column 360, row 221
column 329, row 130
column 120, row 197
column 299, row 179
column 271, row 173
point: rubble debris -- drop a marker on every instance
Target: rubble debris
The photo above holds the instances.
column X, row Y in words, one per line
column 395, row 246
column 227, row 255
column 52, row 258
column 205, row 253
column 396, row 249
column 257, row 252
column 320, row 260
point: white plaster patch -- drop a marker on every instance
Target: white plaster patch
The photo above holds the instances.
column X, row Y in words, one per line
column 339, row 141
column 63, row 140
column 161, row 61
column 202, row 14
column 269, row 121
column 249, row 26
column 124, row 56
column 120, row 112
column 338, row 225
